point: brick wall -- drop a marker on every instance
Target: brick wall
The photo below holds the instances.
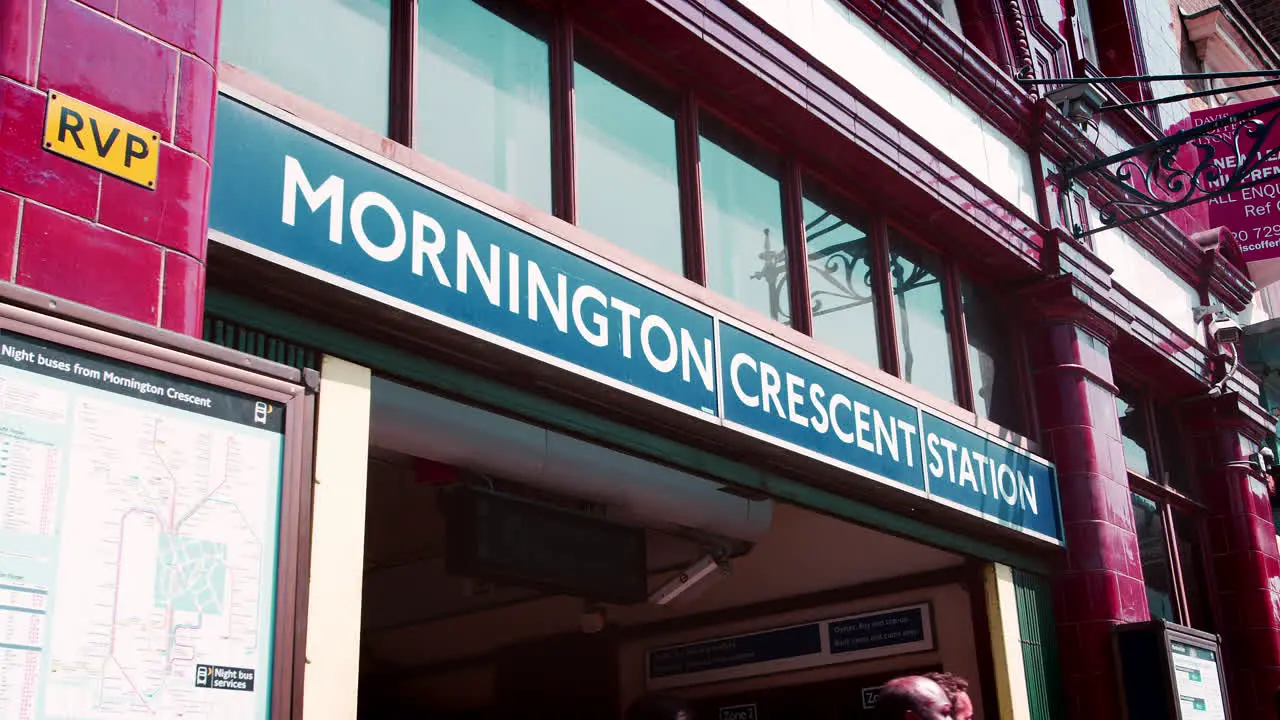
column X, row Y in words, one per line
column 1266, row 15
column 70, row 230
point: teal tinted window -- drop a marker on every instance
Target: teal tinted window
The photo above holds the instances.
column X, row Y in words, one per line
column 924, row 349
column 627, row 174
column 1194, row 578
column 484, row 97
column 742, row 223
column 839, row 259
column 335, row 53
column 1153, row 548
column 1173, row 453
column 993, row 372
column 1134, row 430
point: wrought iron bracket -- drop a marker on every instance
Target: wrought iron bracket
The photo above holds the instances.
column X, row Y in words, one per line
column 1151, row 183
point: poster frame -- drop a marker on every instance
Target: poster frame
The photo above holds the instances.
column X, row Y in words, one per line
column 1160, row 636
column 85, row 329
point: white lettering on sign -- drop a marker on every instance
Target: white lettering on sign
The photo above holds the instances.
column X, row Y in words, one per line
column 598, row 318
column 980, row 474
column 807, row 404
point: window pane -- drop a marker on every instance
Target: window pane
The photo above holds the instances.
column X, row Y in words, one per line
column 923, row 346
column 1194, row 578
column 997, row 389
column 1153, row 549
column 947, row 9
column 1084, row 22
column 742, row 223
column 844, row 310
column 627, row 182
column 1133, row 427
column 1173, row 457
column 333, row 52
column 484, row 98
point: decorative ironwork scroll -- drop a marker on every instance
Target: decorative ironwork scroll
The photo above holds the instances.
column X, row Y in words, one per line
column 1152, row 182
column 843, row 268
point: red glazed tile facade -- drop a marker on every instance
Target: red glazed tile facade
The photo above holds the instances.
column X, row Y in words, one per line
column 10, row 215
column 71, row 231
column 74, row 258
column 1242, row 547
column 1101, row 584
column 150, row 62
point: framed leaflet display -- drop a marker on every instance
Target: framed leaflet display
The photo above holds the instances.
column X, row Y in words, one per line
column 1170, row 671
column 154, row 511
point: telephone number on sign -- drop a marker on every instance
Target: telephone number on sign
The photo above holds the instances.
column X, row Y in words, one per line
column 1259, row 233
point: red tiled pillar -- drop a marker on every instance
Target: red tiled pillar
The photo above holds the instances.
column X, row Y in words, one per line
column 1242, row 545
column 74, row 232
column 1100, row 583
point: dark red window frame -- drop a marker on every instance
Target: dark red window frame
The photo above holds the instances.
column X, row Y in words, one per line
column 562, row 33
column 1172, row 502
column 1119, row 45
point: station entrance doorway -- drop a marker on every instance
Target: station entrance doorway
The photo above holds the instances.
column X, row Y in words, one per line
column 514, row 571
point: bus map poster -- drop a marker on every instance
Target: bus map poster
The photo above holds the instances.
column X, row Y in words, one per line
column 139, row 516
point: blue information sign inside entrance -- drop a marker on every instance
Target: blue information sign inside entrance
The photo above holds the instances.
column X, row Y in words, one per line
column 344, row 216
column 731, row 652
column 876, row 634
column 865, row 632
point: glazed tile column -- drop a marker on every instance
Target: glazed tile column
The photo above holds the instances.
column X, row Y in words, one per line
column 1100, row 582
column 77, row 233
column 1241, row 539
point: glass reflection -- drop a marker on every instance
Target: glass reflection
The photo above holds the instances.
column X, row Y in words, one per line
column 1133, row 430
column 1194, row 579
column 628, row 178
column 1153, row 549
column 484, row 97
column 844, row 311
column 742, row 222
column 923, row 346
column 290, row 43
column 992, row 369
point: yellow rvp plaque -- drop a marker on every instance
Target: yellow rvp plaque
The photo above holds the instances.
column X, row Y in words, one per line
column 101, row 140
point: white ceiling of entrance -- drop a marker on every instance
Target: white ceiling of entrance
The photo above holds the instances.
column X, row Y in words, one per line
column 414, row 614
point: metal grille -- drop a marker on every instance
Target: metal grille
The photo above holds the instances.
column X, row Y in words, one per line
column 255, row 342
column 1039, row 645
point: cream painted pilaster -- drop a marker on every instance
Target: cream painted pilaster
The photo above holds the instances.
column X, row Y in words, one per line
column 337, row 542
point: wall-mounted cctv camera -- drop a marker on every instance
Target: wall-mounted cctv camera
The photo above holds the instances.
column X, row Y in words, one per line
column 1222, row 327
column 700, row 575
column 1265, row 460
column 1225, row 330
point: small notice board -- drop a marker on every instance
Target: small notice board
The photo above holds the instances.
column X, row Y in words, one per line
column 1171, row 671
column 151, row 522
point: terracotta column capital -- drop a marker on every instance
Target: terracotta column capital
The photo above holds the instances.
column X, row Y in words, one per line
column 1070, row 299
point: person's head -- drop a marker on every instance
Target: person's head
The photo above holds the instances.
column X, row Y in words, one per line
column 913, row 698
column 957, row 690
column 659, row 707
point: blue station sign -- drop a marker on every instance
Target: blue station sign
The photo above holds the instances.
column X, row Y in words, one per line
column 347, row 217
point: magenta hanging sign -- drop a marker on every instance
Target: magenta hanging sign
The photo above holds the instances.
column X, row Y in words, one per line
column 1252, row 214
